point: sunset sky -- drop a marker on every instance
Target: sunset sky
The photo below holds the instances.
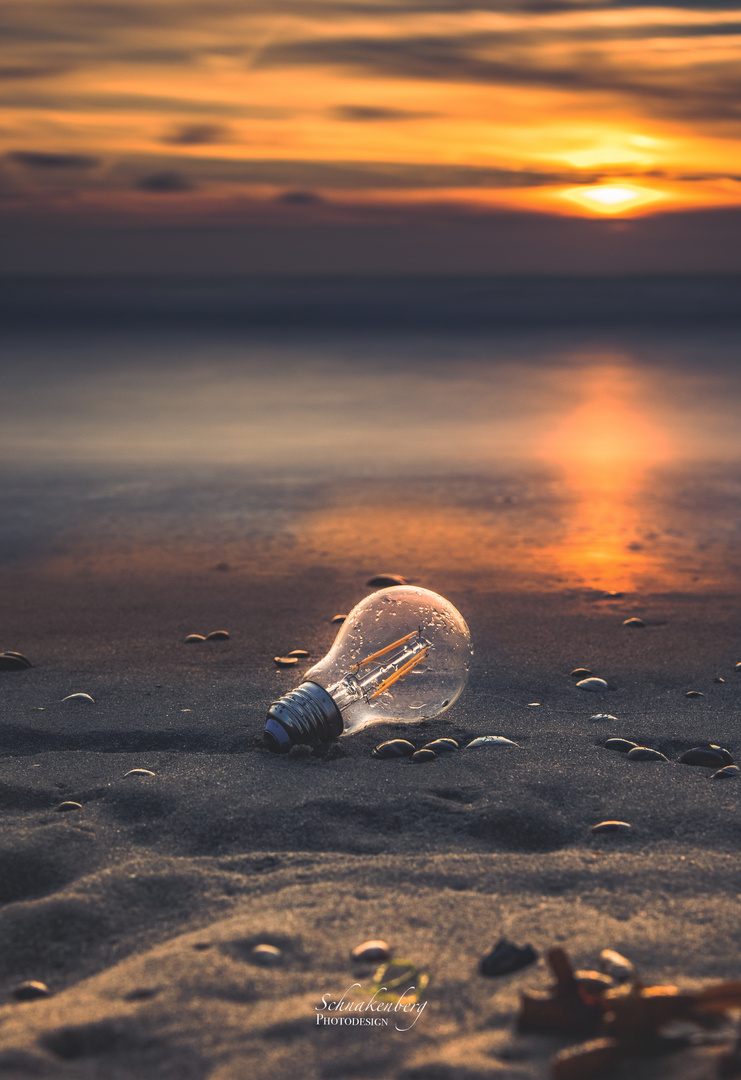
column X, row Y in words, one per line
column 327, row 119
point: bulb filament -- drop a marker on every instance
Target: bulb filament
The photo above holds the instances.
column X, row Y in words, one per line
column 400, row 658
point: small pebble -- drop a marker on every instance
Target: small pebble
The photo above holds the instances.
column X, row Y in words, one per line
column 726, row 772
column 621, row 745
column 596, row 685
column 371, row 952
column 69, row 804
column 507, row 957
column 300, row 654
column 12, row 663
column 694, row 693
column 490, row 740
column 139, row 772
column 533, row 705
column 338, row 618
column 603, row 716
column 702, row 755
column 393, row 748
column 83, row 699
column 594, row 982
column 142, row 993
column 738, row 667
column 267, row 955
column 633, row 622
column 611, row 827
column 17, row 656
column 381, row 581
column 615, row 965
column 423, row 755
column 719, row 678
column 30, row 991
column 727, row 757
column 285, row 661
column 218, row 635
column 192, row 639
column 645, row 753
column 441, row 746
column 580, row 673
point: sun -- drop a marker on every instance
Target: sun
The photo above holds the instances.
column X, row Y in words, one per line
column 612, row 198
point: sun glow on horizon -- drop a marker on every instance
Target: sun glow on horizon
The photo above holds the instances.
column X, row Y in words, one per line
column 612, row 198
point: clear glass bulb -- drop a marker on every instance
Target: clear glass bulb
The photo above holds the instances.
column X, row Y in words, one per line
column 402, row 654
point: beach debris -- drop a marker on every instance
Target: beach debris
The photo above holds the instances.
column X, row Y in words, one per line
column 489, row 740
column 726, row 772
column 442, row 746
column 423, row 755
column 31, row 990
column 614, row 964
column 218, row 635
column 79, row 699
column 398, row 980
column 68, row 804
column 386, row 581
column 612, row 827
column 621, row 745
column 634, row 622
column 645, row 753
column 139, row 772
column 394, row 748
column 598, row 717
column 628, row 1019
column 694, row 693
column 285, row 661
column 580, row 673
column 702, row 755
column 596, row 685
column 266, row 955
column 14, row 661
column 506, row 957
column 194, row 639
column 338, row 618
column 300, row 654
column 371, row 952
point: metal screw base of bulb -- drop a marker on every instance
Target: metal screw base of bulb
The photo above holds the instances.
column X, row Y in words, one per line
column 305, row 715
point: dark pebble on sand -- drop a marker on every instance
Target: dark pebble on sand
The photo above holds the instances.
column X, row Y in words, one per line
column 441, row 746
column 394, row 748
column 139, row 772
column 727, row 757
column 423, row 755
column 611, row 827
column 489, row 740
column 702, row 755
column 285, row 661
column 338, row 618
column 633, row 622
column 69, row 804
column 623, row 746
column 300, row 654
column 218, row 635
column 193, row 639
column 371, row 952
column 266, row 955
column 614, row 964
column 17, row 656
column 595, row 685
column 30, row 991
column 694, row 693
column 507, row 957
column 580, row 673
column 79, row 699
column 384, row 581
column 8, row 662
column 603, row 716
column 726, row 772
column 645, row 753
column 738, row 668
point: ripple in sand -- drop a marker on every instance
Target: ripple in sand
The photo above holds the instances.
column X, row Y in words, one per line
column 726, row 772
column 634, row 622
column 441, row 746
column 68, row 804
column 386, row 581
column 218, row 635
column 623, row 746
column 79, row 699
column 702, row 755
column 194, row 639
column 611, row 827
column 490, row 740
column 30, row 991
column 371, row 952
column 266, row 955
column 645, row 753
column 595, row 685
column 420, row 756
column 394, row 748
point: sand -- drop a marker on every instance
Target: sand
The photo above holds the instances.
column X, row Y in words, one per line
column 140, row 910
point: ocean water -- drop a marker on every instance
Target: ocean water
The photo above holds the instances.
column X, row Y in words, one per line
column 549, row 433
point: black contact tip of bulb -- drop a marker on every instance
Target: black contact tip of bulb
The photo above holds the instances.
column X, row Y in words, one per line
column 305, row 715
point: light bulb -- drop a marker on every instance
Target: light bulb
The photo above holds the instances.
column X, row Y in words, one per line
column 402, row 654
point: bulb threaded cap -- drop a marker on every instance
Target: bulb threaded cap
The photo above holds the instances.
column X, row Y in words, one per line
column 304, row 715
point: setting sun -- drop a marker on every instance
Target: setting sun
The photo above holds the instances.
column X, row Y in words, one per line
column 610, row 199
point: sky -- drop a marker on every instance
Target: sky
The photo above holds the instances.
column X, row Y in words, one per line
column 351, row 135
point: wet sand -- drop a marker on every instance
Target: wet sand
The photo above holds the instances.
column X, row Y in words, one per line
column 140, row 910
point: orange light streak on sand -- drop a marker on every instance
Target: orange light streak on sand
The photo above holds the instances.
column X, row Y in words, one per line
column 606, row 449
